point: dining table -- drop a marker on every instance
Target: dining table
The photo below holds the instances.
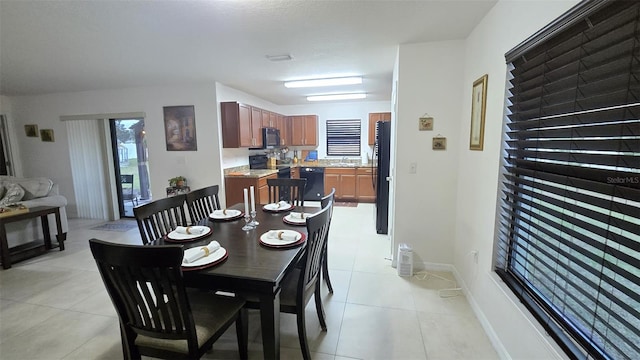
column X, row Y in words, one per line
column 250, row 268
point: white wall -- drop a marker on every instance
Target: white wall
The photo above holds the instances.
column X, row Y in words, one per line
column 506, row 25
column 429, row 82
column 201, row 168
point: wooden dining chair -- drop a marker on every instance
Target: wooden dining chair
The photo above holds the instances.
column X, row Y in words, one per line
column 324, row 202
column 160, row 217
column 157, row 316
column 289, row 190
column 202, row 202
column 303, row 281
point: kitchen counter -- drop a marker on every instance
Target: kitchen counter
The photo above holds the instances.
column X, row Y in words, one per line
column 245, row 172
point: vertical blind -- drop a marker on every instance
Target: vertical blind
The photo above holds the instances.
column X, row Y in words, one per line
column 568, row 242
column 88, row 168
column 343, row 137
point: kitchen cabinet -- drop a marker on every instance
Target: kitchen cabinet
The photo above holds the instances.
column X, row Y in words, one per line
column 240, row 125
column 373, row 119
column 343, row 180
column 365, row 176
column 268, row 119
column 283, row 124
column 234, row 186
column 304, row 130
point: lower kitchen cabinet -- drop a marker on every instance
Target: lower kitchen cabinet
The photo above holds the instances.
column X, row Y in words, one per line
column 365, row 177
column 343, row 180
column 235, row 185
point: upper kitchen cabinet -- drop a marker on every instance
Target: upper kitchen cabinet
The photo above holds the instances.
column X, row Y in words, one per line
column 304, row 130
column 238, row 127
column 284, row 125
column 268, row 119
column 373, row 119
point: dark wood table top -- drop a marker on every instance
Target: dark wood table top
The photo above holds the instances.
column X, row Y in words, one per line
column 250, row 266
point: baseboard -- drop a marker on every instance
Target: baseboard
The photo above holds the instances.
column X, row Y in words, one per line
column 484, row 322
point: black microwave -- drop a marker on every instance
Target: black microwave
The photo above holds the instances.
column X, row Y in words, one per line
column 270, row 138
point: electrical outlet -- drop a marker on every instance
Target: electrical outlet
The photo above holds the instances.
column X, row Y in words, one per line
column 413, row 168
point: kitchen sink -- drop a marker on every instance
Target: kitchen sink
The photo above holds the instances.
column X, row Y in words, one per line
column 341, row 164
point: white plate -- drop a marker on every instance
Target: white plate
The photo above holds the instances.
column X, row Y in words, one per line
column 278, row 207
column 297, row 219
column 277, row 242
column 213, row 257
column 231, row 213
column 179, row 236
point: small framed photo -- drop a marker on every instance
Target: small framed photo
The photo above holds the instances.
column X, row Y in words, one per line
column 47, row 135
column 31, row 130
column 439, row 143
column 425, row 123
column 478, row 110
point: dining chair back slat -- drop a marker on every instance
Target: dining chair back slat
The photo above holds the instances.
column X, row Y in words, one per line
column 325, row 202
column 289, row 190
column 158, row 218
column 146, row 286
column 202, row 202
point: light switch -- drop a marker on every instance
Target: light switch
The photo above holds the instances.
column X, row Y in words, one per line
column 413, row 168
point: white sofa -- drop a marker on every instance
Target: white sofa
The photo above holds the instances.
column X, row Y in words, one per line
column 37, row 192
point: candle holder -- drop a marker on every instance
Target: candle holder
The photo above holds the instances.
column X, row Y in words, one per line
column 247, row 225
column 254, row 222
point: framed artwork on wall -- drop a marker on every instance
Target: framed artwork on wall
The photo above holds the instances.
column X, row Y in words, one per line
column 47, row 135
column 478, row 110
column 180, row 128
column 31, row 130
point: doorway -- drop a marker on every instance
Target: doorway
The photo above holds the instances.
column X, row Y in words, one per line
column 131, row 163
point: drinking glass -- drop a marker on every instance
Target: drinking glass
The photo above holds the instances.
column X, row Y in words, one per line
column 247, row 225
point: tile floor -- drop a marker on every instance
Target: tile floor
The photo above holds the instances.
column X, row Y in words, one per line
column 55, row 306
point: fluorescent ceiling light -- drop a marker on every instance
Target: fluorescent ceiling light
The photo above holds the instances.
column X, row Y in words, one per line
column 353, row 80
column 336, row 97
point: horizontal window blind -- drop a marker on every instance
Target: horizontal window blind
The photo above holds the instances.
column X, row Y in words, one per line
column 568, row 242
column 343, row 137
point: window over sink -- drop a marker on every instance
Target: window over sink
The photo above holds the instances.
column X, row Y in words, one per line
column 343, row 137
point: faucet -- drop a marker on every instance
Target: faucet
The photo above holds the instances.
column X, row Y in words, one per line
column 344, row 160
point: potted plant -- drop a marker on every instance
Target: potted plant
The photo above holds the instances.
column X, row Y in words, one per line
column 177, row 181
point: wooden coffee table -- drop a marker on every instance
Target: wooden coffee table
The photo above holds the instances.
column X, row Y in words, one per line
column 35, row 247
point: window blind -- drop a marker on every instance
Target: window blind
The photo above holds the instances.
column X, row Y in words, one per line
column 343, row 137
column 568, row 240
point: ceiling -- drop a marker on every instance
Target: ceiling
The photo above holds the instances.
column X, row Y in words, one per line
column 68, row 46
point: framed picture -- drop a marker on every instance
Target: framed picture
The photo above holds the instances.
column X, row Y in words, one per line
column 478, row 109
column 47, row 135
column 425, row 123
column 31, row 130
column 439, row 143
column 180, row 128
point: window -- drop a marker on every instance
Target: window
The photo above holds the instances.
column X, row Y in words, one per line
column 343, row 137
column 568, row 240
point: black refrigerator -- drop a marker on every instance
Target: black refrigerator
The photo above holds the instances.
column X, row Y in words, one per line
column 382, row 150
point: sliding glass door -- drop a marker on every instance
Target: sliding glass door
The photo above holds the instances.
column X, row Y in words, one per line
column 131, row 164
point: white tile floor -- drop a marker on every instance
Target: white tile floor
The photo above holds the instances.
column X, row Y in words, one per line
column 55, row 306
